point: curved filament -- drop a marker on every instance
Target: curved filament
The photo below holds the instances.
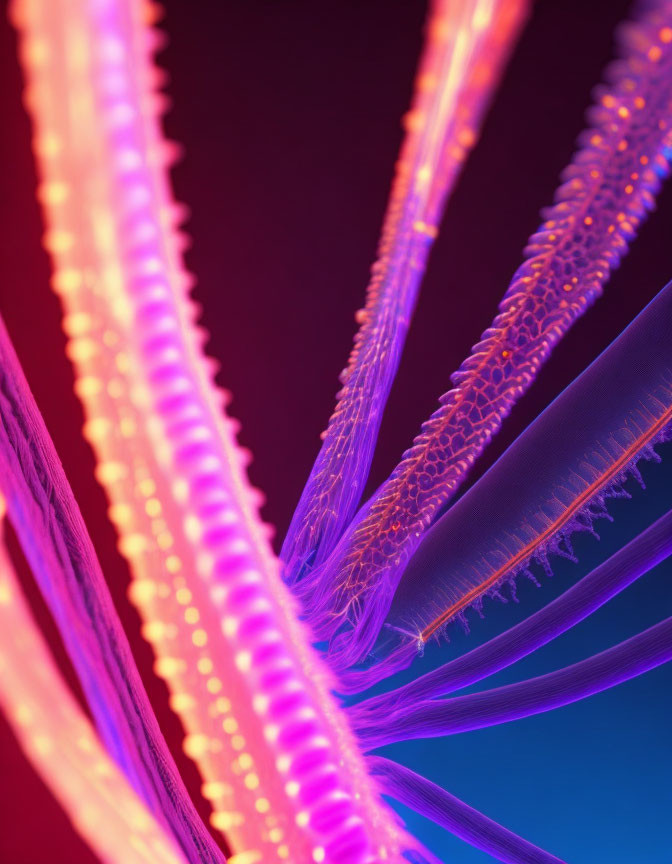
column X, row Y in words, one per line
column 635, row 559
column 548, row 484
column 468, row 824
column 607, row 190
column 54, row 539
column 431, row 719
column 467, row 44
column 279, row 764
column 63, row 747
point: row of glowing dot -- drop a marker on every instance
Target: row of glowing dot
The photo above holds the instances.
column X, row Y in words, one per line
column 252, row 612
column 59, row 243
column 610, row 102
column 83, row 350
column 187, row 427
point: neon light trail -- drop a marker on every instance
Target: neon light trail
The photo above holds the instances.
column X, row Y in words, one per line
column 259, row 651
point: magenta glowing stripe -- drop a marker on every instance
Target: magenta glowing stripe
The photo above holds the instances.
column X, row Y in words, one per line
column 262, row 724
column 244, row 584
column 55, row 542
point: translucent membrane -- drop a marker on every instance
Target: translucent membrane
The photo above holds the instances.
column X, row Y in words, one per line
column 467, row 44
column 464, row 713
column 624, row 567
column 60, row 742
column 54, row 539
column 279, row 764
column 606, row 192
column 549, row 483
column 441, row 807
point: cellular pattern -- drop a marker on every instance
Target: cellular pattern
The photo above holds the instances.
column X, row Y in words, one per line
column 466, row 48
column 282, row 759
column 606, row 192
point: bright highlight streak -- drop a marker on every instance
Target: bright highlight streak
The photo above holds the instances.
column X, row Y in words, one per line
column 605, row 194
column 62, row 745
column 466, row 47
column 223, row 626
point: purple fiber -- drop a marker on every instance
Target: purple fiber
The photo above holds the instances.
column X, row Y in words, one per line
column 459, row 818
column 581, row 600
column 431, row 719
column 548, row 484
column 54, row 539
column 604, row 196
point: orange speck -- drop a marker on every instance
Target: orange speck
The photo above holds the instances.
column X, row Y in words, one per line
column 588, row 220
column 426, row 82
column 467, row 137
column 655, row 53
column 665, row 35
column 199, row 638
column 57, row 241
column 413, row 121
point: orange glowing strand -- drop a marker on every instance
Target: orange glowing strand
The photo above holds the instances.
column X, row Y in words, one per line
column 620, row 409
column 62, row 745
column 242, row 674
column 526, row 553
column 466, row 46
column 606, row 192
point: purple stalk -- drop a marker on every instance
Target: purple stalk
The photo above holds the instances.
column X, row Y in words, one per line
column 581, row 600
column 459, row 818
column 605, row 195
column 464, row 713
column 464, row 60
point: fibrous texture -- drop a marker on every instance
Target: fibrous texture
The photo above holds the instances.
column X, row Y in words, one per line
column 281, row 758
column 278, row 762
column 614, row 575
column 605, row 194
column 467, row 45
column 59, row 740
column 514, row 701
column 435, row 803
column 50, row 528
column 555, row 484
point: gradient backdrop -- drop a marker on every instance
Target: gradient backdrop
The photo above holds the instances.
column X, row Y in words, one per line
column 289, row 112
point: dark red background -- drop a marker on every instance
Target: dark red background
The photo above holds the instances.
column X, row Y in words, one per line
column 289, row 112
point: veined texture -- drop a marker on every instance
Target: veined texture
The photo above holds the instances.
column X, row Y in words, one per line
column 607, row 190
column 554, row 484
column 281, row 759
column 467, row 45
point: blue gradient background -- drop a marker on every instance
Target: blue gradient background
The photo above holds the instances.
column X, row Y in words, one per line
column 289, row 111
column 589, row 782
